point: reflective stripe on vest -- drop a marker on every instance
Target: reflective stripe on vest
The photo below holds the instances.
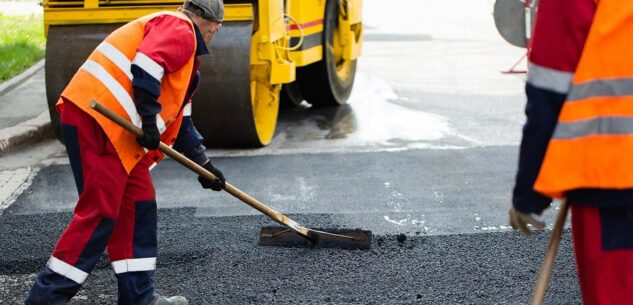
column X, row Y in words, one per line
column 121, row 61
column 601, row 88
column 549, row 79
column 592, row 145
column 115, row 88
column 592, row 127
column 118, row 58
column 106, row 77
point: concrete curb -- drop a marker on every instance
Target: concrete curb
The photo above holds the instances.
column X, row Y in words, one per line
column 20, row 78
column 31, row 131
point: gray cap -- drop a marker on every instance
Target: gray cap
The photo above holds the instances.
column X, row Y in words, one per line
column 212, row 10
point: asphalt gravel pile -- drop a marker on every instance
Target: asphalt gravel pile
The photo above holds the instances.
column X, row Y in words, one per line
column 216, row 260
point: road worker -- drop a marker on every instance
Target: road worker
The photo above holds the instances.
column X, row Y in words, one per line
column 578, row 139
column 145, row 71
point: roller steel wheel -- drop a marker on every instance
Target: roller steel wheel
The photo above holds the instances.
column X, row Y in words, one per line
column 67, row 48
column 235, row 106
column 328, row 82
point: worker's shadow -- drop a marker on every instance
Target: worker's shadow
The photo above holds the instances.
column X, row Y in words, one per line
column 337, row 122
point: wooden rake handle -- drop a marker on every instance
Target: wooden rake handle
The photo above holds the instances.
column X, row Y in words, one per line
column 172, row 153
column 550, row 256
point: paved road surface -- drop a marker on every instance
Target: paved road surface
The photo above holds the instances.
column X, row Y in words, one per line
column 427, row 147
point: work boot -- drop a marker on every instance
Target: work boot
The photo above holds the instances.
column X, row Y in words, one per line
column 176, row 300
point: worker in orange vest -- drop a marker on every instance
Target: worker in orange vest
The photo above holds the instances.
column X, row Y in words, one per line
column 146, row 71
column 578, row 139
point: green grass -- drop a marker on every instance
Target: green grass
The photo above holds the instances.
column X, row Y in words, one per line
column 22, row 43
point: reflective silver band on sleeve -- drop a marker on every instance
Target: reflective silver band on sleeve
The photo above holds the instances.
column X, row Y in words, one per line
column 149, row 65
column 187, row 110
column 549, row 79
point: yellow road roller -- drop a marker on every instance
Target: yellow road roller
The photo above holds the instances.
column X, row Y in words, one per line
column 268, row 52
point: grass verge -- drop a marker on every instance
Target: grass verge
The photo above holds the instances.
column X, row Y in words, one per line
column 22, row 43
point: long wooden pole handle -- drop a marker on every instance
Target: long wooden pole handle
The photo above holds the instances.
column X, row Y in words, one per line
column 550, row 256
column 172, row 153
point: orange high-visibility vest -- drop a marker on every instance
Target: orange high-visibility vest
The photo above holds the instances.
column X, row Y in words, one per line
column 592, row 144
column 106, row 77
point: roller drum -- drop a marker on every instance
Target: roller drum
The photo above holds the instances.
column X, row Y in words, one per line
column 67, row 48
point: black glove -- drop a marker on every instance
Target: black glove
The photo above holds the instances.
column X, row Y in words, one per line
column 217, row 184
column 150, row 138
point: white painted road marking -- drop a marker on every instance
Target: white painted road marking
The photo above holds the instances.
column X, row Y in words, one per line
column 13, row 183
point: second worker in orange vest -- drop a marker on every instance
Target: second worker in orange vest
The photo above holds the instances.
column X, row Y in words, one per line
column 146, row 71
column 578, row 139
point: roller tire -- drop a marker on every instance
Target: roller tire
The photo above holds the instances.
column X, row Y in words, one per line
column 319, row 82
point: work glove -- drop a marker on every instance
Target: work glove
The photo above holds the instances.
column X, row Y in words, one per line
column 519, row 221
column 150, row 138
column 217, row 184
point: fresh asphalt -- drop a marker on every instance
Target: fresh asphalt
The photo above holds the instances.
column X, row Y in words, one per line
column 216, row 260
column 208, row 241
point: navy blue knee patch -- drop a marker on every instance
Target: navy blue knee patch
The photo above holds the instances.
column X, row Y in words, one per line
column 96, row 245
column 145, row 229
column 71, row 139
column 617, row 228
